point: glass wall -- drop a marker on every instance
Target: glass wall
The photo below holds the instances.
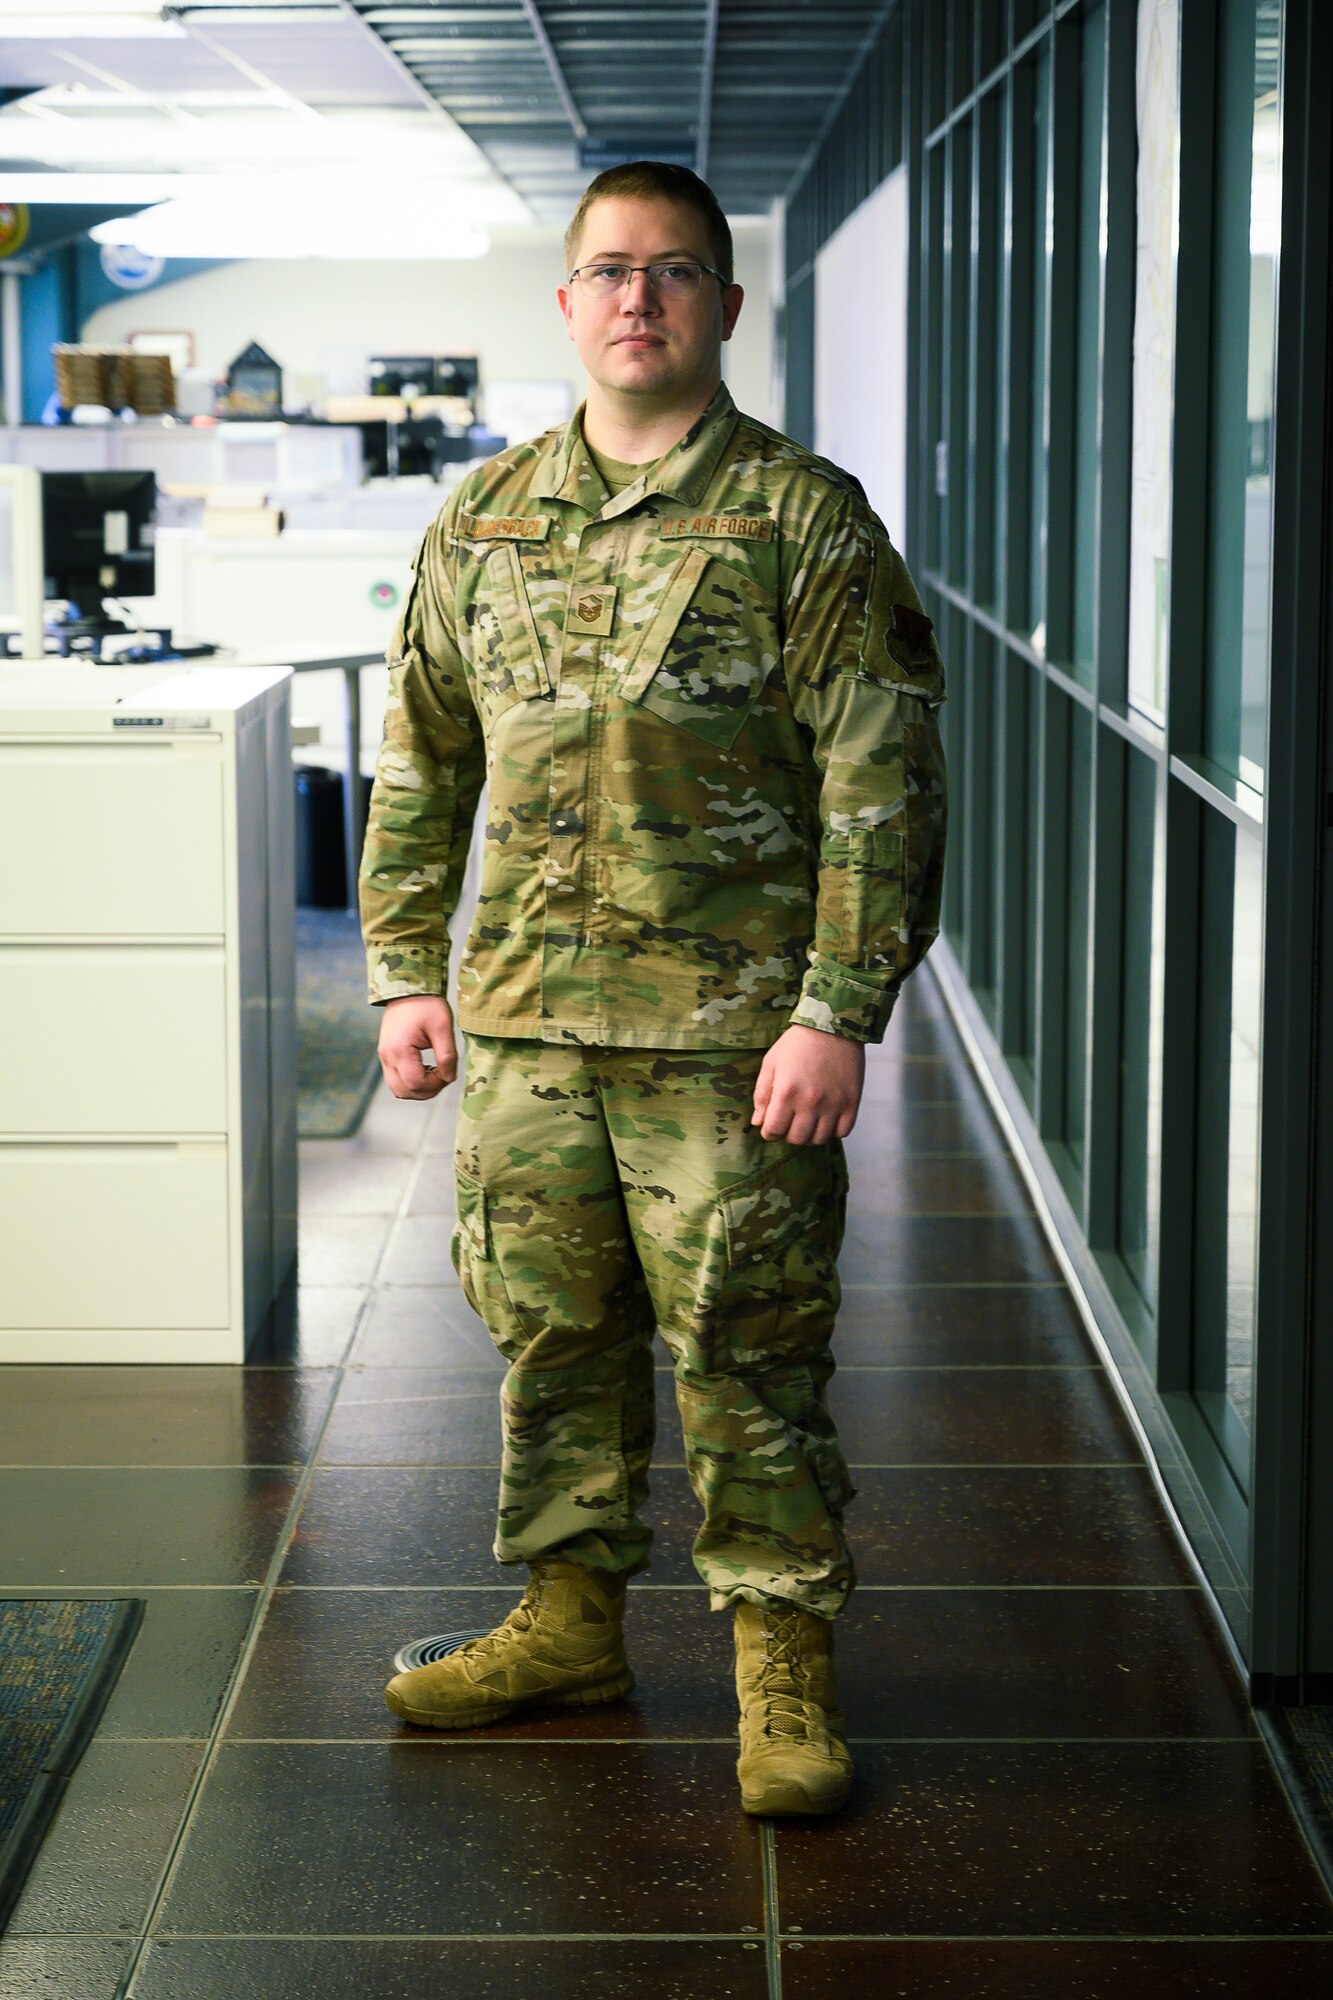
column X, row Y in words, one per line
column 1109, row 696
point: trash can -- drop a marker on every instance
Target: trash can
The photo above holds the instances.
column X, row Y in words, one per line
column 321, row 870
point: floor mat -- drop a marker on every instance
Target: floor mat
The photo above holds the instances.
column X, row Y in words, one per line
column 337, row 1068
column 59, row 1660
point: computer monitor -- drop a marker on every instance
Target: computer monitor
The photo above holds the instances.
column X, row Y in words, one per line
column 97, row 536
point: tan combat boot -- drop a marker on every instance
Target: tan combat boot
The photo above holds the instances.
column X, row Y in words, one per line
column 794, row 1756
column 560, row 1646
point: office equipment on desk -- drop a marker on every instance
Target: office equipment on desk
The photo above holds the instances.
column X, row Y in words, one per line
column 254, row 385
column 147, row 992
column 97, row 542
column 411, row 375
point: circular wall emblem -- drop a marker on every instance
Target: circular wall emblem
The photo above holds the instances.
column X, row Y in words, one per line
column 384, row 595
column 130, row 268
column 13, row 226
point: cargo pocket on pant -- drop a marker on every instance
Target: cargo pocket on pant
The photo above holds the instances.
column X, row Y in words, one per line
column 760, row 1221
column 830, row 1470
column 470, row 1243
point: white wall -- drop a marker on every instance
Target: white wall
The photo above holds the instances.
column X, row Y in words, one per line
column 320, row 320
column 861, row 350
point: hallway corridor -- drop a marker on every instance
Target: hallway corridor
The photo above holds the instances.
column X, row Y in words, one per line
column 1060, row 1787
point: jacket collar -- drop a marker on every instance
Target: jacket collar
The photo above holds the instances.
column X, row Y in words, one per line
column 564, row 471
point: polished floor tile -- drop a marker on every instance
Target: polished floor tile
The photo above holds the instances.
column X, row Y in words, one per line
column 894, row 1075
column 998, row 1416
column 419, row 1253
column 944, row 1250
column 423, row 1326
column 341, row 1249
column 953, row 1326
column 409, row 1416
column 923, row 1185
column 310, row 1326
column 1096, row 1838
column 1060, row 1786
column 323, row 1657
column 59, row 1968
column 947, row 1969
column 433, row 1192
column 161, row 1416
column 885, row 1131
column 218, row 1524
column 101, row 1858
column 1011, row 1525
column 393, row 1525
column 345, row 1177
column 181, row 1664
column 478, row 1969
column 450, row 1416
column 400, row 1124
column 438, row 1837
column 1062, row 1662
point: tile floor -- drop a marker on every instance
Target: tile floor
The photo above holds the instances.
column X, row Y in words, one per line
column 1060, row 1791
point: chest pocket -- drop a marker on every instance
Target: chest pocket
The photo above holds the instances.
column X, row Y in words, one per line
column 506, row 653
column 706, row 651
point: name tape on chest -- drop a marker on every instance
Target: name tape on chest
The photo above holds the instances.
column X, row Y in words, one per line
column 503, row 527
column 732, row 527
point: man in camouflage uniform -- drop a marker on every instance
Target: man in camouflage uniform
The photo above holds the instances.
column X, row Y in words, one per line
column 696, row 678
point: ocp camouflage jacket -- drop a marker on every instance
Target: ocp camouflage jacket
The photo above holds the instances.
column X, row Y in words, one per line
column 705, row 711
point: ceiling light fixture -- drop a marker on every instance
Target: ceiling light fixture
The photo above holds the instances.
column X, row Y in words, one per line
column 349, row 222
column 101, row 20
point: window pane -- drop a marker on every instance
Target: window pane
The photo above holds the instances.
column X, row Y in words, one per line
column 1227, row 1189
column 1091, row 253
column 933, row 349
column 959, row 459
column 987, row 323
column 980, row 779
column 1140, row 1032
column 1041, row 250
column 1068, row 855
column 993, row 24
column 1004, row 252
column 1154, row 348
column 960, row 24
column 1247, row 208
column 954, row 726
column 1019, row 833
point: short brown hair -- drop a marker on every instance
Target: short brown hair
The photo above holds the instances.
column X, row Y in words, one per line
column 648, row 180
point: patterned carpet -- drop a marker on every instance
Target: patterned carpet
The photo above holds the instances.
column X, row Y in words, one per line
column 337, row 1069
column 59, row 1658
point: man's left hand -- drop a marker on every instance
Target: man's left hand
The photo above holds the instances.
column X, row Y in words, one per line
column 809, row 1087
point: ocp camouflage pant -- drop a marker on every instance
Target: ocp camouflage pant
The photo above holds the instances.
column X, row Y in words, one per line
column 602, row 1192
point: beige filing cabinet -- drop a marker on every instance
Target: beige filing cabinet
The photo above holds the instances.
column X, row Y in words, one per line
column 147, row 1010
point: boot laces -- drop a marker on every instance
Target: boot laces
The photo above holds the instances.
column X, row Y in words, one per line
column 780, row 1682
column 517, row 1625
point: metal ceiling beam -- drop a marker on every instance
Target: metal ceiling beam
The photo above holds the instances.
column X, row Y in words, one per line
column 544, row 43
column 427, row 98
column 704, row 127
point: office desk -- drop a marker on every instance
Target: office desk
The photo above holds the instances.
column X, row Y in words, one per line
column 318, row 660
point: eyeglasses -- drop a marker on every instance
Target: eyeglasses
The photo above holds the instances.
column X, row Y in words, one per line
column 675, row 280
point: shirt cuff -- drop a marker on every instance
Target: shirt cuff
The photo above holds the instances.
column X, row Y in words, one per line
column 836, row 1004
column 397, row 972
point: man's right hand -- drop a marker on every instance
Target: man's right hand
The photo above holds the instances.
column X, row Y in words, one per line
column 416, row 1022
